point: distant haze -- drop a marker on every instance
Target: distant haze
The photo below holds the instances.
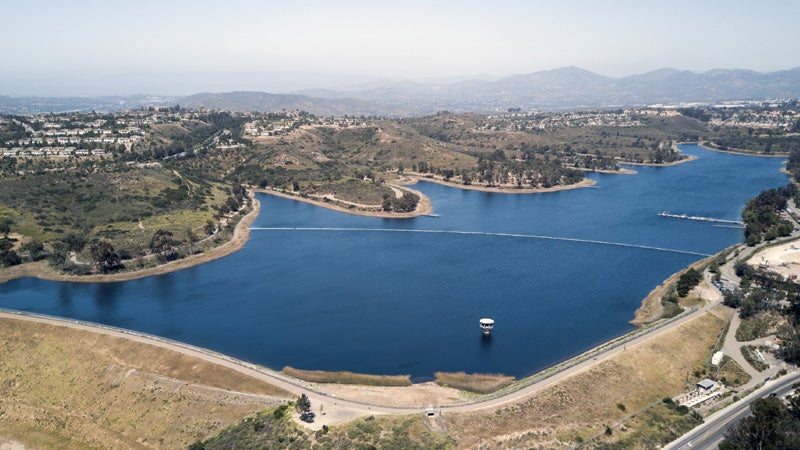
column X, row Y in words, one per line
column 88, row 48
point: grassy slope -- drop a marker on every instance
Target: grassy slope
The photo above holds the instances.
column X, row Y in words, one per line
column 64, row 388
column 585, row 404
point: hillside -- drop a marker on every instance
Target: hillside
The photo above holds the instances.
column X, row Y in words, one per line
column 99, row 193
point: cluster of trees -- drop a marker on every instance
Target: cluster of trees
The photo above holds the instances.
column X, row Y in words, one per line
column 162, row 244
column 529, row 171
column 762, row 290
column 235, row 200
column 762, row 218
column 106, row 259
column 772, row 425
column 751, row 301
column 28, row 251
column 687, row 281
column 407, row 203
column 771, row 143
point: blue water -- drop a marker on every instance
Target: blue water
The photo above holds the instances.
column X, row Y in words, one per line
column 409, row 302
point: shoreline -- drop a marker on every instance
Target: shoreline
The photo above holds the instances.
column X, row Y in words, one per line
column 40, row 270
column 735, row 151
column 689, row 158
column 621, row 171
column 413, row 178
column 424, row 207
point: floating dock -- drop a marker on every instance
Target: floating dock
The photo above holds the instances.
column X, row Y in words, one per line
column 699, row 218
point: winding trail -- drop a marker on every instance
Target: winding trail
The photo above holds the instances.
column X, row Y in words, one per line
column 483, row 233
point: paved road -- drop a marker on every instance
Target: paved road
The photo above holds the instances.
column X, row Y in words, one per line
column 710, row 434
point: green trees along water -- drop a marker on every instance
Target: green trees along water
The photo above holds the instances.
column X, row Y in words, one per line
column 762, row 217
column 687, row 281
column 104, row 256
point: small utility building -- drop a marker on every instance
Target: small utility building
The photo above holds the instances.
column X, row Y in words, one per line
column 706, row 385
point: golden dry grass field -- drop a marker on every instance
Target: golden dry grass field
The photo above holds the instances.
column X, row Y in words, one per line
column 67, row 388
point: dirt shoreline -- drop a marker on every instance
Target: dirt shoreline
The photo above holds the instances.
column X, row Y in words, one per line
column 41, row 271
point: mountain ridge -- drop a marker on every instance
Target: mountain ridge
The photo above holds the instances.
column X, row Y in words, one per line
column 562, row 88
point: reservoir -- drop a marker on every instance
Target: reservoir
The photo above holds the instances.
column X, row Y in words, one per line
column 317, row 289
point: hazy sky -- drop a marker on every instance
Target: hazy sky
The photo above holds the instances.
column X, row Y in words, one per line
column 81, row 47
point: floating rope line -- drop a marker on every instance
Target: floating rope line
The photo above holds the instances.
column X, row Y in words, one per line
column 483, row 233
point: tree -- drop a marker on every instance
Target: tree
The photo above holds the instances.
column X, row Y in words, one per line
column 303, row 404
column 59, row 255
column 5, row 227
column 387, row 202
column 743, row 269
column 103, row 254
column 162, row 245
column 210, row 227
column 238, row 191
column 9, row 258
column 192, row 238
column 75, row 242
column 34, row 249
column 232, row 204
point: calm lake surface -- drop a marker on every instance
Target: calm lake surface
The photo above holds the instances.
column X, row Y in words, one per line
column 380, row 301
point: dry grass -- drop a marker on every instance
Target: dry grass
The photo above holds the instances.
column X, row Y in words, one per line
column 321, row 376
column 481, row 383
column 582, row 405
column 732, row 373
column 68, row 388
column 649, row 429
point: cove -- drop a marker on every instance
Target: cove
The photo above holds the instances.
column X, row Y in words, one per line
column 319, row 289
